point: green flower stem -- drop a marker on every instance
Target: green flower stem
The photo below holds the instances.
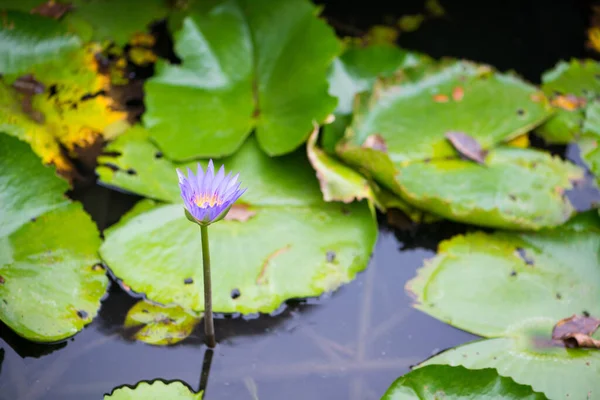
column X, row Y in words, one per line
column 209, row 327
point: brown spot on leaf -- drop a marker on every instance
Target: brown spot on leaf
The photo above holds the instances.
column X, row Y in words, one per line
column 262, row 278
column 52, row 9
column 2, row 280
column 375, row 142
column 537, row 97
column 576, row 331
column 239, row 212
column 458, row 93
column 440, row 98
column 467, row 146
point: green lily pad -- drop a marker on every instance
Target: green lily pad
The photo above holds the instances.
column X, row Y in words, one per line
column 579, row 79
column 464, row 97
column 442, row 381
column 27, row 39
column 357, row 69
column 529, row 357
column 51, row 281
column 516, row 189
column 487, row 283
column 156, row 390
column 513, row 288
column 291, row 245
column 244, row 65
column 159, row 325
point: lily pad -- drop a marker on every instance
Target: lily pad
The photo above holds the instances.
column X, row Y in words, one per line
column 159, row 325
column 464, row 97
column 245, row 66
column 156, row 390
column 516, row 189
column 72, row 111
column 570, row 86
column 50, row 287
column 27, row 40
column 528, row 356
column 442, row 381
column 513, row 288
column 293, row 245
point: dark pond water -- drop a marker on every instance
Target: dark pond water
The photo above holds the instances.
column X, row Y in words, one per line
column 347, row 345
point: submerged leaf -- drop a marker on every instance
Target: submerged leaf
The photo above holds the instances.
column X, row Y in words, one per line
column 155, row 390
column 160, row 325
column 244, row 66
column 441, row 381
column 51, row 285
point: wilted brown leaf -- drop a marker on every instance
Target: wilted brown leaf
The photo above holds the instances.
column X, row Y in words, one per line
column 467, row 146
column 576, row 331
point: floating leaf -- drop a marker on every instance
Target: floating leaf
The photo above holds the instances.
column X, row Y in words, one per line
column 160, row 325
column 286, row 242
column 156, row 390
column 441, row 381
column 514, row 287
column 27, row 40
column 50, row 286
column 74, row 109
column 570, row 85
column 493, row 108
column 245, row 66
column 516, row 189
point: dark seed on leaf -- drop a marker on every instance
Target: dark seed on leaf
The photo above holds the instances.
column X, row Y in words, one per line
column 33, row 219
column 131, row 171
column 188, row 281
column 52, row 90
column 513, row 273
column 345, row 211
column 235, row 293
column 585, row 313
column 523, row 255
column 520, row 111
column 558, row 296
column 82, row 314
column 158, row 154
column 145, row 311
column 512, row 197
column 5, row 302
column 330, row 256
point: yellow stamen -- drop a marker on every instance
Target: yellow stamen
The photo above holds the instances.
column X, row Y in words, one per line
column 205, row 200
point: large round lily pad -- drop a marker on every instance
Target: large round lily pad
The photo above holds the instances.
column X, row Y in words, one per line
column 51, row 281
column 514, row 287
column 515, row 189
column 244, row 65
column 281, row 241
column 156, row 390
column 445, row 382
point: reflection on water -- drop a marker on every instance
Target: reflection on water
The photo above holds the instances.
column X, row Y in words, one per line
column 351, row 344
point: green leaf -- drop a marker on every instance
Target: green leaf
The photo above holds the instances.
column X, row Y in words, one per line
column 516, row 189
column 156, row 390
column 293, row 245
column 578, row 78
column 27, row 189
column 246, row 65
column 27, row 40
column 116, row 20
column 529, row 357
column 487, row 283
column 357, row 69
column 441, row 381
column 51, row 282
column 159, row 325
column 513, row 288
column 464, row 97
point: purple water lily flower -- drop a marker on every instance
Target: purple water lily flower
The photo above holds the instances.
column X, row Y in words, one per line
column 208, row 197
